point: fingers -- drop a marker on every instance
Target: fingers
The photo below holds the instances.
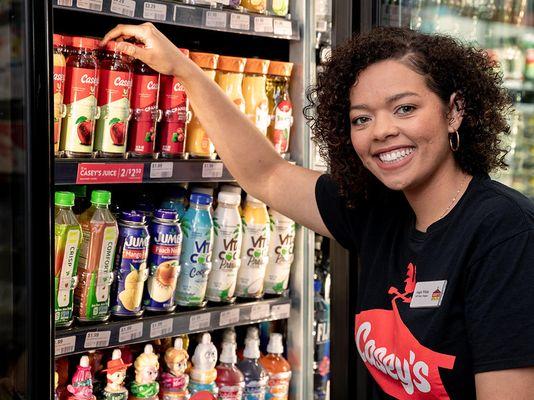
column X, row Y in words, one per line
column 132, row 50
column 140, row 32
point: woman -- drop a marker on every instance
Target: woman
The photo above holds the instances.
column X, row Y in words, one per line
column 409, row 123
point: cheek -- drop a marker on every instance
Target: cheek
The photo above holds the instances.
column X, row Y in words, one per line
column 359, row 143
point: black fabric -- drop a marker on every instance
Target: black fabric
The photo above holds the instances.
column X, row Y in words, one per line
column 484, row 249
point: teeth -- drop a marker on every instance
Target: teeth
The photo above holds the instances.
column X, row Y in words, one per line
column 395, row 155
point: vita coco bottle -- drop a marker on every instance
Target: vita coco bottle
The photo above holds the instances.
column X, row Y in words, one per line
column 230, row 379
column 256, row 377
column 278, row 369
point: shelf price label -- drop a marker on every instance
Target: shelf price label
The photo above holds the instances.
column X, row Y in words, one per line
column 212, row 170
column 93, row 5
column 282, row 27
column 240, row 22
column 260, row 311
column 215, row 19
column 91, row 173
column 123, row 7
column 155, row 11
column 161, row 328
column 280, row 311
column 199, row 321
column 229, row 317
column 64, row 345
column 131, row 332
column 263, row 24
column 161, row 170
column 97, row 339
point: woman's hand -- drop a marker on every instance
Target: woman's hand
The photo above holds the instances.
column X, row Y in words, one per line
column 153, row 49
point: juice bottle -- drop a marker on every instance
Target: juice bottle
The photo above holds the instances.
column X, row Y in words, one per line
column 280, row 253
column 176, row 201
column 280, row 106
column 278, row 7
column 203, row 373
column 81, row 89
column 226, row 248
column 230, row 379
column 114, row 101
column 197, row 228
column 173, row 126
column 254, row 92
column 81, row 387
column 95, row 270
column 258, row 6
column 278, row 369
column 145, row 113
column 130, row 265
column 68, row 238
column 198, row 143
column 59, row 88
column 115, row 375
column 253, row 333
column 256, row 377
column 146, row 367
column 174, row 381
column 229, row 77
column 254, row 252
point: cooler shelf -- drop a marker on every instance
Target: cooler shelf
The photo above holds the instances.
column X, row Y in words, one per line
column 217, row 19
column 118, row 333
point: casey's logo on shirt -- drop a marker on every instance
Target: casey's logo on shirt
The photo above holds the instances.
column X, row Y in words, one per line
column 397, row 361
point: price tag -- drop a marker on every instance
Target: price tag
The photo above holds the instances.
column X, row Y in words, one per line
column 93, row 5
column 260, row 311
column 131, row 332
column 161, row 169
column 199, row 321
column 212, row 170
column 90, row 173
column 240, row 22
column 263, row 24
column 215, row 19
column 283, row 27
column 280, row 311
column 229, row 317
column 64, row 3
column 124, row 7
column 64, row 345
column 97, row 339
column 161, row 328
column 155, row 11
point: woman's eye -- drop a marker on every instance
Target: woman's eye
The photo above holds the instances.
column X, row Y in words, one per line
column 360, row 120
column 403, row 110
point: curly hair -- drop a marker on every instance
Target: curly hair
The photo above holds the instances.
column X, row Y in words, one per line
column 447, row 66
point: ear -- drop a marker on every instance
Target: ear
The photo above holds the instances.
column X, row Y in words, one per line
column 455, row 112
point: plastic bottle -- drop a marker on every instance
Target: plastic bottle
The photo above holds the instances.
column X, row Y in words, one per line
column 230, row 379
column 81, row 387
column 174, row 382
column 253, row 333
column 254, row 93
column 321, row 339
column 68, row 239
column 230, row 78
column 176, row 201
column 257, row 6
column 280, row 106
column 226, row 249
column 278, row 369
column 278, row 7
column 203, row 373
column 59, row 88
column 146, row 371
column 256, row 377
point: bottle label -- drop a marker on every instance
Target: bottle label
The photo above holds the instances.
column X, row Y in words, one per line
column 231, row 392
column 145, row 92
column 255, row 390
column 278, row 386
column 198, row 142
column 59, row 82
column 254, row 257
column 67, row 239
column 174, row 103
column 172, row 136
column 262, row 118
column 106, row 264
column 281, row 249
column 172, row 93
column 142, row 134
column 283, row 120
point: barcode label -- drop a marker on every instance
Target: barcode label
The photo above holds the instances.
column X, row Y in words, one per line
column 65, row 3
column 260, row 311
column 161, row 170
column 240, row 22
column 229, row 317
column 263, row 24
column 155, row 11
column 93, row 5
column 215, row 19
column 283, row 27
column 212, row 170
column 97, row 339
column 64, row 345
column 200, row 321
column 130, row 332
column 124, row 7
column 161, row 328
column 280, row 311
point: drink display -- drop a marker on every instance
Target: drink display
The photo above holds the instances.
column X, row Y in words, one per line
column 198, row 143
column 226, row 248
column 58, row 88
column 280, row 253
column 174, row 382
column 230, row 379
column 130, row 265
column 80, row 99
column 100, row 234
column 256, row 102
column 256, row 377
column 278, row 369
column 68, row 238
column 163, row 261
column 197, row 228
column 114, row 101
column 203, row 373
column 280, row 106
column 254, row 252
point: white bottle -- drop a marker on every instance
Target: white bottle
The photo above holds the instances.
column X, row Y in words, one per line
column 227, row 242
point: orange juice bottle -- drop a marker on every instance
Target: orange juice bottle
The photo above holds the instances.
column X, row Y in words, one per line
column 230, row 78
column 278, row 369
column 256, row 101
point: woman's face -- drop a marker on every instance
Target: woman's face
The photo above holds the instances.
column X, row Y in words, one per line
column 399, row 127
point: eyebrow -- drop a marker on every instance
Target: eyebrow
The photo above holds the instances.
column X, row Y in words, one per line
column 389, row 100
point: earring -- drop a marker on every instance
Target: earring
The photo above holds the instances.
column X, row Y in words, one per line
column 456, row 145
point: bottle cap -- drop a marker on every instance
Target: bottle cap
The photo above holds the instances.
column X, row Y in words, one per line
column 200, row 198
column 253, row 333
column 229, row 198
column 231, row 64
column 275, row 345
column 178, row 344
column 58, row 40
column 252, row 349
column 204, row 60
column 133, row 216
column 252, row 199
column 228, row 355
column 230, row 188
column 184, row 51
column 201, row 189
column 65, row 199
column 101, row 197
column 280, row 68
column 148, row 349
column 84, row 361
column 229, row 335
column 81, row 42
column 317, row 285
column 257, row 66
column 165, row 213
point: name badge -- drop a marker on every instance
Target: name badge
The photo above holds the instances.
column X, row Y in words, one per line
column 428, row 294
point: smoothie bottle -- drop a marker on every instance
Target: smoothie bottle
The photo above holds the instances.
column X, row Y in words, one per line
column 280, row 253
column 198, row 144
column 81, row 90
column 254, row 252
column 95, row 270
column 280, row 106
column 256, row 377
column 278, row 369
column 68, row 238
column 197, row 229
column 226, row 249
column 230, row 78
column 203, row 373
column 58, row 88
column 254, row 92
column 114, row 101
column 230, row 380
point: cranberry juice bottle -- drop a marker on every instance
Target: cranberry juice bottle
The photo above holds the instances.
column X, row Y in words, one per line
column 230, row 379
column 145, row 113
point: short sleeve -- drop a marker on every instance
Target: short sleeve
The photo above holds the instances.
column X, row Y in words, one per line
column 500, row 305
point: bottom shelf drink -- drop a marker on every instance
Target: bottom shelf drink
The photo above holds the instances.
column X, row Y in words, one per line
column 174, row 382
column 81, row 386
column 321, row 336
column 146, row 371
column 278, row 369
column 203, row 373
column 255, row 375
column 115, row 375
column 230, row 380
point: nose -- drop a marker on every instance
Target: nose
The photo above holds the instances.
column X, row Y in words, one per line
column 384, row 127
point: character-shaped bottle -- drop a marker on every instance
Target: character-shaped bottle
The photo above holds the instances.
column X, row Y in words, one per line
column 203, row 372
column 146, row 372
column 115, row 375
column 81, row 387
column 174, row 382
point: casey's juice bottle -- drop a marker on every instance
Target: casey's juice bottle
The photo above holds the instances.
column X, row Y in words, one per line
column 59, row 88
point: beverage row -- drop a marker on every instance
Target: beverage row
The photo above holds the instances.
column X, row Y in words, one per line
column 274, row 7
column 163, row 371
column 154, row 260
column 107, row 104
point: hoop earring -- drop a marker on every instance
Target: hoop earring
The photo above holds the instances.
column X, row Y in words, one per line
column 456, row 146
